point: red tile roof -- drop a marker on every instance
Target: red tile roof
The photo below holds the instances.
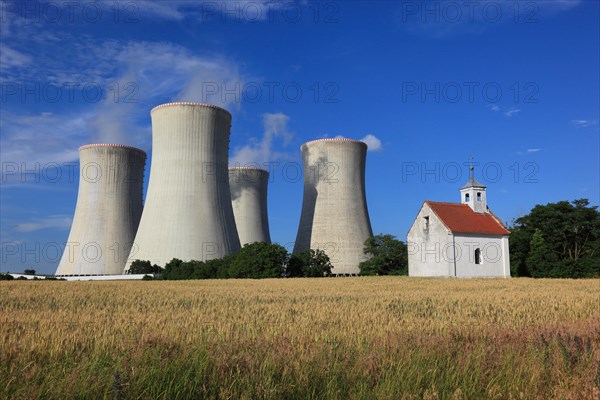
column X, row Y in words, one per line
column 460, row 218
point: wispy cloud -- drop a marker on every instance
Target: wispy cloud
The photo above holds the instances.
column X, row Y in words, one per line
column 49, row 222
column 131, row 76
column 509, row 112
column 512, row 111
column 529, row 151
column 201, row 11
column 11, row 58
column 41, row 138
column 584, row 123
column 262, row 151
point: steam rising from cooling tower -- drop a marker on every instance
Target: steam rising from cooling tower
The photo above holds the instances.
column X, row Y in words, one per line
column 188, row 213
column 108, row 210
column 249, row 199
column 334, row 216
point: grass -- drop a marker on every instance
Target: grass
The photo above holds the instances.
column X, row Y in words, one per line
column 344, row 338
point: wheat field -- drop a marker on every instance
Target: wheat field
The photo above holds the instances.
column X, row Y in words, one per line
column 328, row 338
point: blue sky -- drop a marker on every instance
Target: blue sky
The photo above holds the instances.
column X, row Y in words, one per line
column 429, row 84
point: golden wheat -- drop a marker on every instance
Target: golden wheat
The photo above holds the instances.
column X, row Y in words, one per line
column 378, row 337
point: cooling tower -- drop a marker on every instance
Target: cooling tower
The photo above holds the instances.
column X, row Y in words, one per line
column 108, row 210
column 188, row 213
column 334, row 216
column 248, row 188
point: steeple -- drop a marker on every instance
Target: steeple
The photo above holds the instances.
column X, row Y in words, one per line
column 473, row 192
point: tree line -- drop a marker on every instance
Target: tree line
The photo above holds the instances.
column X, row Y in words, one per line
column 256, row 260
column 264, row 260
column 556, row 240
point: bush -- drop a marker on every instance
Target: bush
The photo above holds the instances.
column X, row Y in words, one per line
column 6, row 277
column 309, row 263
column 144, row 267
column 259, row 260
column 177, row 269
column 211, row 269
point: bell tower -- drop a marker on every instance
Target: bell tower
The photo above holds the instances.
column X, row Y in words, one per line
column 473, row 193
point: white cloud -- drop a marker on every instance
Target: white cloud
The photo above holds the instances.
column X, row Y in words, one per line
column 373, row 143
column 260, row 152
column 168, row 10
column 510, row 112
column 494, row 108
column 203, row 10
column 49, row 222
column 583, row 123
column 528, row 151
column 41, row 138
column 132, row 76
column 10, row 58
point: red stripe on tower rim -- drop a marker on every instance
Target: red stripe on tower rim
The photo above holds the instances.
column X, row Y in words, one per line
column 189, row 103
column 120, row 146
column 334, row 140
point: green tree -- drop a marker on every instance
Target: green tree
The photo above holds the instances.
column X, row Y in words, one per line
column 6, row 277
column 309, row 263
column 258, row 260
column 29, row 272
column 388, row 256
column 177, row 270
column 206, row 269
column 540, row 260
column 571, row 234
column 144, row 267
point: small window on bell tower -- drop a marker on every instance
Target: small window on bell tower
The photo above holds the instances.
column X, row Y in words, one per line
column 478, row 196
column 467, row 197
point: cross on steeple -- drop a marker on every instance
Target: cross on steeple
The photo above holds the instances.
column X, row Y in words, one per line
column 471, row 168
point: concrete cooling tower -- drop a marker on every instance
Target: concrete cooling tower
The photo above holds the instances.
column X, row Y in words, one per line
column 334, row 216
column 249, row 199
column 108, row 210
column 188, row 213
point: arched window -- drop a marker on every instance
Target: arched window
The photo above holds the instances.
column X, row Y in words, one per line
column 477, row 256
column 478, row 196
column 467, row 197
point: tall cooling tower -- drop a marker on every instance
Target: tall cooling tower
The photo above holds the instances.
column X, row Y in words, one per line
column 249, row 199
column 188, row 213
column 334, row 216
column 108, row 210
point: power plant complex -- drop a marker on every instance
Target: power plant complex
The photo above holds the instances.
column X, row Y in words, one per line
column 197, row 208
